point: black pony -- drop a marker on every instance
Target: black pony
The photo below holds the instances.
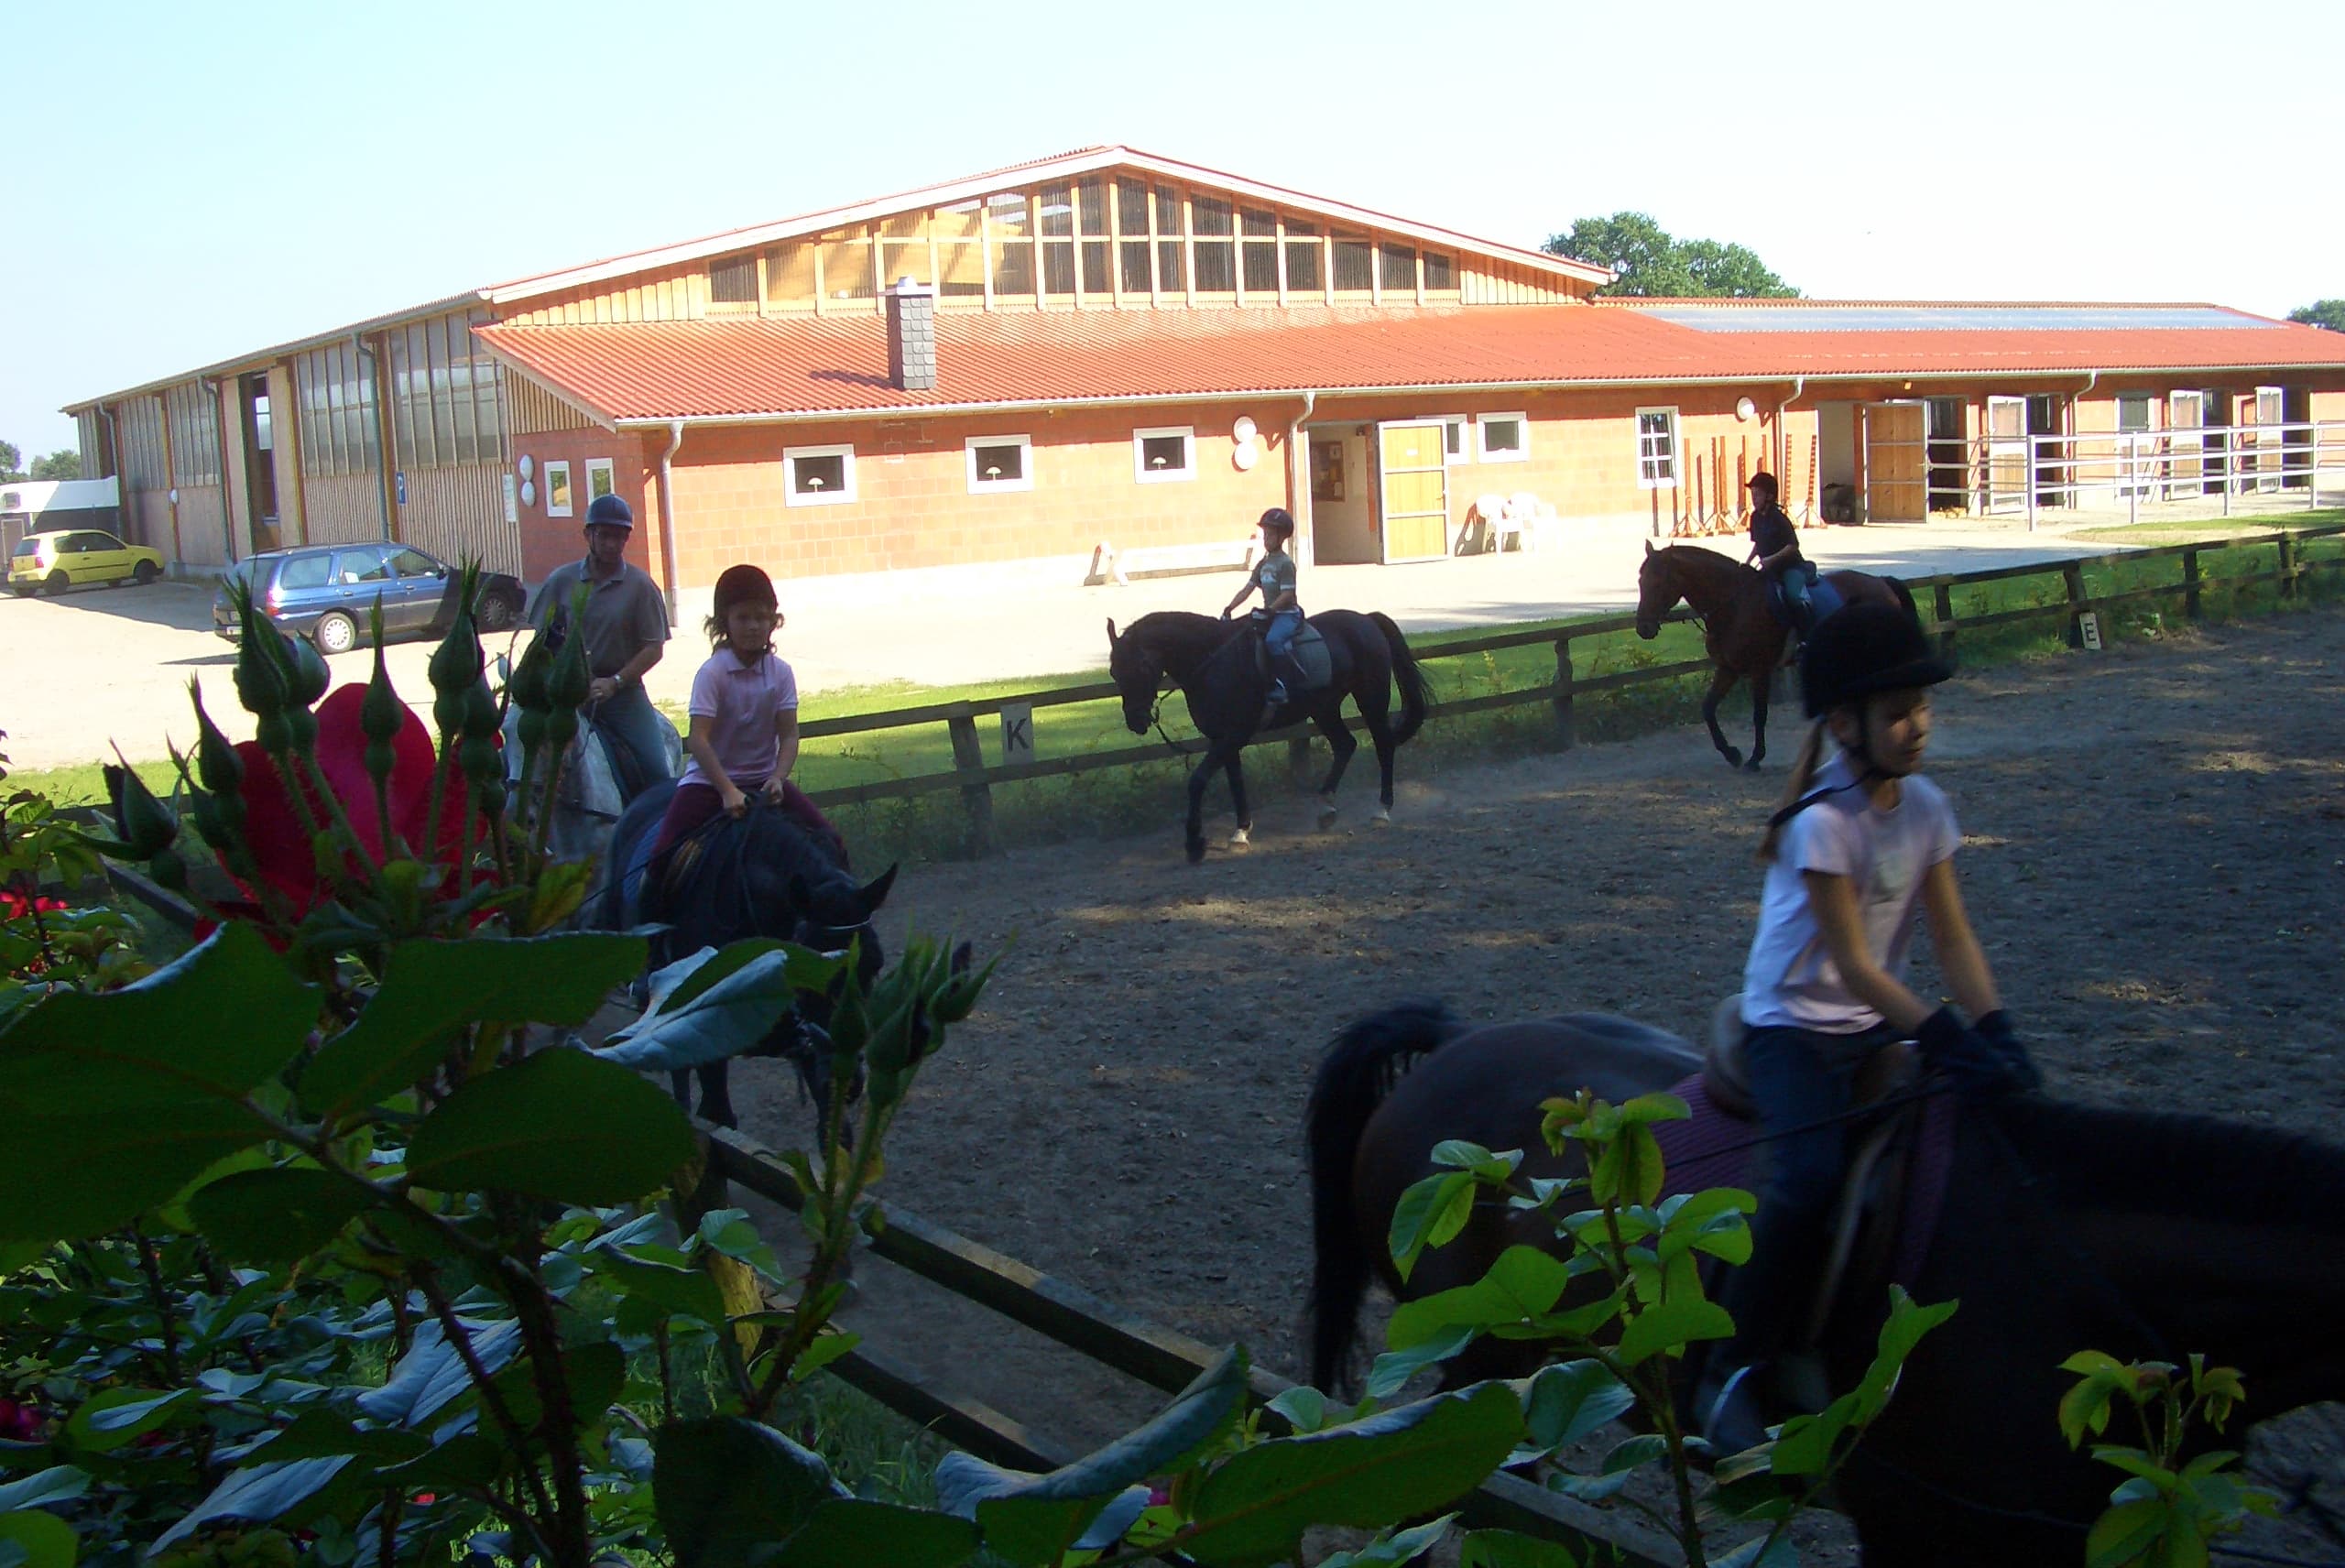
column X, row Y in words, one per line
column 2065, row 1227
column 1216, row 665
column 760, row 876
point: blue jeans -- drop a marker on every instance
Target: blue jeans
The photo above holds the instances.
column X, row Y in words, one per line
column 636, row 726
column 1278, row 638
column 1797, row 1077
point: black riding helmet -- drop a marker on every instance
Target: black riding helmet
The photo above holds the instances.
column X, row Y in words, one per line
column 744, row 584
column 1278, row 520
column 1862, row 650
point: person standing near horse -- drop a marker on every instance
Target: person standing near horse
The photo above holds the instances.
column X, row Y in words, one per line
column 1275, row 575
column 625, row 623
column 1861, row 844
column 743, row 714
column 1774, row 547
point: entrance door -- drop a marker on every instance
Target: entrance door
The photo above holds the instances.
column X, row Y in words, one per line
column 2295, row 408
column 2185, row 413
column 2267, row 442
column 1412, row 476
column 1949, row 461
column 2054, row 474
column 1896, row 463
column 260, row 462
column 1343, row 517
column 2006, row 453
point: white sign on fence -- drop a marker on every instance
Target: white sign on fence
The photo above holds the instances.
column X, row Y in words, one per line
column 1017, row 732
column 2090, row 623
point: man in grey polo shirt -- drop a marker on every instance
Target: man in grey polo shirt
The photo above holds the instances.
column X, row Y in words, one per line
column 625, row 626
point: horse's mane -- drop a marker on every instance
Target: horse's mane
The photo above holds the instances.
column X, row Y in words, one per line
column 2177, row 1162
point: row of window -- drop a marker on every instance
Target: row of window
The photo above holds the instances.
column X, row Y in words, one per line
column 444, row 402
column 1121, row 239
column 824, row 476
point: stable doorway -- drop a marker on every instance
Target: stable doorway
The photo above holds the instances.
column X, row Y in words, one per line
column 1412, row 490
column 1896, row 463
column 1343, row 515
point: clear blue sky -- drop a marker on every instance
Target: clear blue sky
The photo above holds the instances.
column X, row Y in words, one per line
column 194, row 180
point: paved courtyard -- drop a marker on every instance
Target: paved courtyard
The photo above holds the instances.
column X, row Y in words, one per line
column 100, row 668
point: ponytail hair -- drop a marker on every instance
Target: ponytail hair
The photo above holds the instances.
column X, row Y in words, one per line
column 1811, row 756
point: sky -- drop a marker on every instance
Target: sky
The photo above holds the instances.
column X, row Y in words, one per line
column 203, row 178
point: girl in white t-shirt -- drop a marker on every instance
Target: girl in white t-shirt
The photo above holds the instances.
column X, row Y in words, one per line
column 743, row 719
column 1863, row 845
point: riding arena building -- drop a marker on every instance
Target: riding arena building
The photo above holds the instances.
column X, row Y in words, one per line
column 1111, row 361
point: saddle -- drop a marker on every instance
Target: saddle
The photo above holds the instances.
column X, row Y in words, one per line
column 1309, row 654
column 1897, row 1165
column 1822, row 599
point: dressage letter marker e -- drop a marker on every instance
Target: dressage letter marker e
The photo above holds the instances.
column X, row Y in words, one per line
column 2090, row 623
column 1017, row 732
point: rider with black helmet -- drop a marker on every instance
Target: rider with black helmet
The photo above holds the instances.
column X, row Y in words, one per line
column 1274, row 575
column 1863, row 845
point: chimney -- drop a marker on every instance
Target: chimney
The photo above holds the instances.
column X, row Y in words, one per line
column 912, row 336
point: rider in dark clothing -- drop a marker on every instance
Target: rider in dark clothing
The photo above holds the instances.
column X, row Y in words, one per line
column 1774, row 545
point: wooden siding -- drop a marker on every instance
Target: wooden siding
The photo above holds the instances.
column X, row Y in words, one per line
column 202, row 534
column 458, row 514
column 1484, row 282
column 530, row 409
column 147, row 519
column 342, row 509
column 285, row 440
column 672, row 294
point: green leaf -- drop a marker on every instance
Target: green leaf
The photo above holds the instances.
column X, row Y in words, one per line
column 1803, row 1446
column 1509, row 1549
column 119, row 1416
column 260, row 1493
column 1635, row 1452
column 596, row 1372
column 1564, row 1402
column 2125, row 1534
column 560, row 1126
column 849, row 1532
column 431, row 989
column 1398, row 1547
column 1304, row 1408
column 719, row 1020
column 687, row 1290
column 1369, row 1473
column 1036, row 1518
column 1908, row 1322
column 1030, row 1528
column 1521, row 1286
column 1770, row 1550
column 1395, row 1367
column 1671, row 1326
column 726, row 1487
column 432, row 1372
column 1430, row 1213
column 320, row 1433
column 46, row 1540
column 211, row 1026
column 65, row 1177
column 278, row 1215
column 58, row 1484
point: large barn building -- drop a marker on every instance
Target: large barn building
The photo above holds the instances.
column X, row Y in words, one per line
column 995, row 376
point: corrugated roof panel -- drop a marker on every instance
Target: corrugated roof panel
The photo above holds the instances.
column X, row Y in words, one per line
column 807, row 367
column 1859, row 318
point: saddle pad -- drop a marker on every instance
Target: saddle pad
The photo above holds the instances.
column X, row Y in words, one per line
column 1311, row 656
column 1712, row 1149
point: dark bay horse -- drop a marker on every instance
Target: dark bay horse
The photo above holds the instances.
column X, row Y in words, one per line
column 1213, row 662
column 2065, row 1227
column 1740, row 631
column 760, row 876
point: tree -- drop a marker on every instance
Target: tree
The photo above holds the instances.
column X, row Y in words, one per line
column 64, row 463
column 1653, row 265
column 2329, row 313
column 11, row 461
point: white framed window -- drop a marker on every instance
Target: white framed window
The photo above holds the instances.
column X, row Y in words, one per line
column 1000, row 462
column 1656, row 448
column 601, row 479
column 557, row 478
column 817, row 475
column 1454, row 450
column 1164, row 453
column 1504, row 438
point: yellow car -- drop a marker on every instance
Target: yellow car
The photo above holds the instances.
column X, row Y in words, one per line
column 70, row 558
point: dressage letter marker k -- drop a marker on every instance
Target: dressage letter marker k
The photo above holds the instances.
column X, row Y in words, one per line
column 1017, row 732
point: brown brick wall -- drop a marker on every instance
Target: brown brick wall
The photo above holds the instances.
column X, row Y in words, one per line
column 547, row 541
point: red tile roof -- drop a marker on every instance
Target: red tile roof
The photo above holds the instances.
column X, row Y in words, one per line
column 750, row 368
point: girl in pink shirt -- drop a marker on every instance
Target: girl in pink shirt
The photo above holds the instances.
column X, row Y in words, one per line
column 743, row 714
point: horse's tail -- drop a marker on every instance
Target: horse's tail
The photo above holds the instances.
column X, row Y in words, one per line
column 1360, row 1070
column 1406, row 674
column 1905, row 596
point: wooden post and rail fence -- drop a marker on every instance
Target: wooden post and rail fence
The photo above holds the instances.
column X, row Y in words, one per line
column 1160, row 1357
column 975, row 778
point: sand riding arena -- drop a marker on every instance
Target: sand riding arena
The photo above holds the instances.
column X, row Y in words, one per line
column 2154, row 853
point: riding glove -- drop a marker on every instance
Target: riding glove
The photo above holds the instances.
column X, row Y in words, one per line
column 1964, row 1054
column 1997, row 1030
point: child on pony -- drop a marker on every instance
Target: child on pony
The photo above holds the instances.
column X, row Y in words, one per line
column 1274, row 575
column 1862, row 844
column 744, row 715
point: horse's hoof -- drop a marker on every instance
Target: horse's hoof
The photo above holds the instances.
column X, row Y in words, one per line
column 1733, row 756
column 1326, row 815
column 1752, row 766
column 1196, row 850
column 1383, row 818
column 1240, row 839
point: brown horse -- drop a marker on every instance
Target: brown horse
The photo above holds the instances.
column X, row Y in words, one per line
column 1744, row 639
column 2065, row 1227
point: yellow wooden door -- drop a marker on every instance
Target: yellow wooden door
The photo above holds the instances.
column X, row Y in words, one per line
column 1896, row 463
column 1414, row 490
